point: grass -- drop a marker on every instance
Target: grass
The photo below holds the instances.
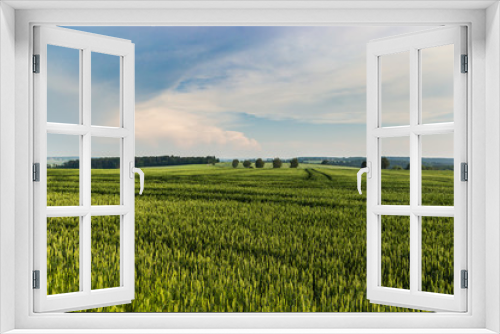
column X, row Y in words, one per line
column 218, row 239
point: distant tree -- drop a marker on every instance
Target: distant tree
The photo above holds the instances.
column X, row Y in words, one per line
column 235, row 163
column 324, row 162
column 363, row 164
column 294, row 163
column 408, row 166
column 259, row 163
column 385, row 163
column 247, row 163
column 397, row 167
column 277, row 163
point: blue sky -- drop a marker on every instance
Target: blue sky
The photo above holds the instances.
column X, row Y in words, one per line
column 249, row 91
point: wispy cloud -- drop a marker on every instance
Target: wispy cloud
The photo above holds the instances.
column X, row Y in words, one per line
column 315, row 75
column 292, row 78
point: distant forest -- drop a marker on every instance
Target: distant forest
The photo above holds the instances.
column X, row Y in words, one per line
column 393, row 162
column 114, row 163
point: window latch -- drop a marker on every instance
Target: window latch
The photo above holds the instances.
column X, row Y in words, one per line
column 368, row 171
column 134, row 170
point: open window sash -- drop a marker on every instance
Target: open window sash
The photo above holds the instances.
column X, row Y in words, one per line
column 85, row 297
column 414, row 297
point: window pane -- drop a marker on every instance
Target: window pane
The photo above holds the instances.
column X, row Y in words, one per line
column 437, row 84
column 395, row 174
column 396, row 252
column 437, row 169
column 395, row 88
column 63, row 85
column 63, row 255
column 63, row 173
column 437, row 254
column 105, row 171
column 105, row 90
column 105, row 252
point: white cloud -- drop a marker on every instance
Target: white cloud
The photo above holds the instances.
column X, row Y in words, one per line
column 159, row 123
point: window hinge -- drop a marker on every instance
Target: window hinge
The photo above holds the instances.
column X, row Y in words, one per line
column 36, row 279
column 464, row 171
column 36, row 63
column 36, row 172
column 465, row 64
column 465, row 279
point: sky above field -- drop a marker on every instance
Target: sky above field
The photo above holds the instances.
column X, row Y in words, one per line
column 237, row 92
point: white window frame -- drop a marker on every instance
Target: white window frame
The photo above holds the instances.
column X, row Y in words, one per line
column 85, row 43
column 484, row 82
column 413, row 43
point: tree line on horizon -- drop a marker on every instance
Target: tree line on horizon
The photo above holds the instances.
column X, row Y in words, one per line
column 259, row 163
column 151, row 161
column 385, row 164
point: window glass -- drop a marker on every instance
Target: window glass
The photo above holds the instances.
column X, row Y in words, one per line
column 437, row 84
column 395, row 252
column 105, row 252
column 63, row 170
column 437, row 169
column 395, row 88
column 106, row 160
column 105, row 90
column 63, row 85
column 63, row 255
column 395, row 173
column 437, row 254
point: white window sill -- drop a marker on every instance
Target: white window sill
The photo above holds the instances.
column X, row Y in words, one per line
column 249, row 331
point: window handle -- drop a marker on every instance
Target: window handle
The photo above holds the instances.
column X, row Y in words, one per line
column 134, row 170
column 368, row 172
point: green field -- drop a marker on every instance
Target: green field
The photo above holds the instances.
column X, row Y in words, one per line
column 218, row 239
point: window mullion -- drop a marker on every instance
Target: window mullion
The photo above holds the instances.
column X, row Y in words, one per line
column 127, row 102
column 414, row 171
column 85, row 170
